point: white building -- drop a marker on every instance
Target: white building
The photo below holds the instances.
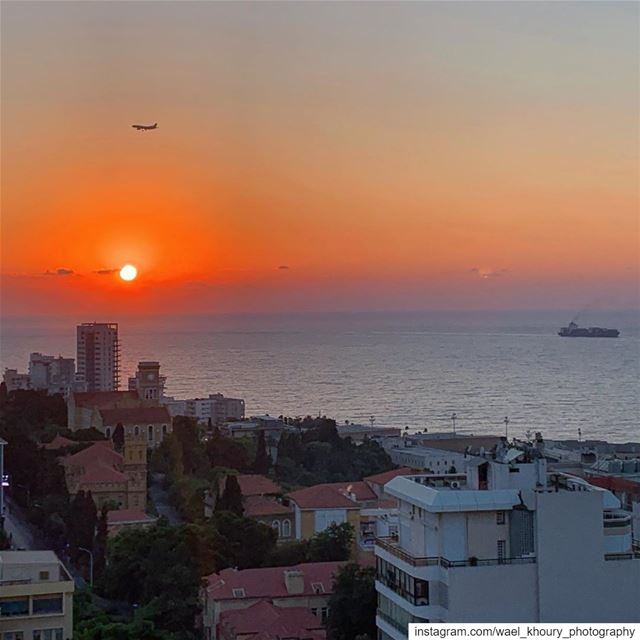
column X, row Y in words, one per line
column 216, row 408
column 53, row 374
column 98, row 356
column 36, row 597
column 504, row 544
column 408, row 454
column 14, row 380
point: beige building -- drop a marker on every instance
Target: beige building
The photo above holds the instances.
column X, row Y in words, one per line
column 36, row 597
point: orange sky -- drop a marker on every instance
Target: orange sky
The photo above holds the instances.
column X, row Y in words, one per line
column 419, row 155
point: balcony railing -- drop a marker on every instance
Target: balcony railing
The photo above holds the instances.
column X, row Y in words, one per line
column 634, row 554
column 392, row 622
column 391, row 546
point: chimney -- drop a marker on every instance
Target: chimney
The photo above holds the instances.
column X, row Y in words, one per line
column 294, row 581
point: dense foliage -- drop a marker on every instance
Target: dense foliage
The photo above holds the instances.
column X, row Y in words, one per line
column 317, row 454
column 352, row 605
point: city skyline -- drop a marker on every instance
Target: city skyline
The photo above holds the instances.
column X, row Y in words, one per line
column 319, row 157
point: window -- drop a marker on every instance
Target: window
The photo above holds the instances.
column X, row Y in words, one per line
column 150, row 429
column 13, row 635
column 286, row 528
column 14, row 607
column 164, row 429
column 136, row 431
column 47, row 604
column 238, row 593
column 276, row 525
column 44, row 575
column 502, row 550
column 47, row 634
column 324, row 614
column 317, row 587
column 500, row 517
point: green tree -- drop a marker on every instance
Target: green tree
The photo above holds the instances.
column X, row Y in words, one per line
column 352, row 605
column 100, row 542
column 332, row 544
column 262, row 463
column 231, row 498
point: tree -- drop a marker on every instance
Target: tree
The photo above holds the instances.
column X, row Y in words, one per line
column 100, row 542
column 352, row 605
column 4, row 394
column 332, row 544
column 83, row 518
column 263, row 459
column 231, row 498
column 118, row 438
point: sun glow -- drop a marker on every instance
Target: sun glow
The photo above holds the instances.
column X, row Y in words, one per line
column 128, row 272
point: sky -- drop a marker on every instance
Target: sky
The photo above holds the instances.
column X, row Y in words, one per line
column 319, row 156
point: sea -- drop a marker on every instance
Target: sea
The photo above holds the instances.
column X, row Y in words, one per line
column 412, row 369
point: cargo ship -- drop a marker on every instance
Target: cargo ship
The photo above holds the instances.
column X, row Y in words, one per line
column 574, row 331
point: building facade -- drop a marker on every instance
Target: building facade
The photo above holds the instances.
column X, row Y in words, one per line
column 36, row 597
column 98, row 356
column 505, row 543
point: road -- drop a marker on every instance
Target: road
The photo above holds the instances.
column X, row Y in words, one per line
column 22, row 534
column 160, row 499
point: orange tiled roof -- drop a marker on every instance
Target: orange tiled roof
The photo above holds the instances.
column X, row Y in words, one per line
column 101, row 451
column 333, row 495
column 257, row 485
column 101, row 472
column 387, row 476
column 120, row 516
column 98, row 399
column 255, row 506
column 59, row 442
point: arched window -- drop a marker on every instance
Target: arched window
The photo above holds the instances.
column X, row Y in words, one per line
column 286, row 528
column 136, row 431
column 276, row 525
column 150, row 432
column 164, row 429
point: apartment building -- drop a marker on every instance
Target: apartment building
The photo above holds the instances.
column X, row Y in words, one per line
column 305, row 586
column 217, row 408
column 36, row 597
column 98, row 356
column 52, row 374
column 15, row 381
column 505, row 542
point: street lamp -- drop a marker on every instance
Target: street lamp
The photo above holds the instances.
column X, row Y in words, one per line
column 506, row 427
column 453, row 419
column 90, row 564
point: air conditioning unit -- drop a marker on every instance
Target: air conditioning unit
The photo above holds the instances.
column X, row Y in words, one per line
column 455, row 484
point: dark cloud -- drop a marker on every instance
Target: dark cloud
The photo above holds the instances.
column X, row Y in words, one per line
column 284, row 267
column 105, row 272
column 60, row 271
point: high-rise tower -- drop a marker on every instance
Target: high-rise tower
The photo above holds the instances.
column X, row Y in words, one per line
column 98, row 356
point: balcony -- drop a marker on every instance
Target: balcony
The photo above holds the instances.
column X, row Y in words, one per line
column 633, row 554
column 390, row 545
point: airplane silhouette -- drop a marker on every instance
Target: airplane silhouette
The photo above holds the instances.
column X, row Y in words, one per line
column 145, row 127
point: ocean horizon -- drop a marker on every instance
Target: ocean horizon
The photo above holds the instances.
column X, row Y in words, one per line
column 403, row 368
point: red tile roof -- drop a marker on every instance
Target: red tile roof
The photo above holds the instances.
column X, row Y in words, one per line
column 98, row 452
column 387, row 476
column 257, row 485
column 100, row 399
column 101, row 472
column 125, row 516
column 333, row 495
column 616, row 483
column 269, row 582
column 270, row 622
column 135, row 415
column 255, row 506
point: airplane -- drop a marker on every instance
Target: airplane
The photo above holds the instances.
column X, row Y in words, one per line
column 145, row 127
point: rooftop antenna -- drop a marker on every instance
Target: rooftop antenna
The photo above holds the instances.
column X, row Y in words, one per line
column 506, row 427
column 579, row 434
column 453, row 420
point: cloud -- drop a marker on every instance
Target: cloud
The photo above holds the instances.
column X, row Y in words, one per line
column 60, row 271
column 487, row 272
column 283, row 267
column 105, row 272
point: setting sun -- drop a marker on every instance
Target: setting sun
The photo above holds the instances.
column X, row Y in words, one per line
column 128, row 272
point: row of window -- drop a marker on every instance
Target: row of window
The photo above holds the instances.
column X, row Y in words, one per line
column 283, row 528
column 40, row 605
column 136, row 431
column 414, row 590
column 37, row 634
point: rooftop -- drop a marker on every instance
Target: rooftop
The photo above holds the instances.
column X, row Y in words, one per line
column 100, row 399
column 257, row 485
column 385, row 476
column 270, row 582
column 255, row 506
column 137, row 415
column 128, row 516
column 333, row 495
